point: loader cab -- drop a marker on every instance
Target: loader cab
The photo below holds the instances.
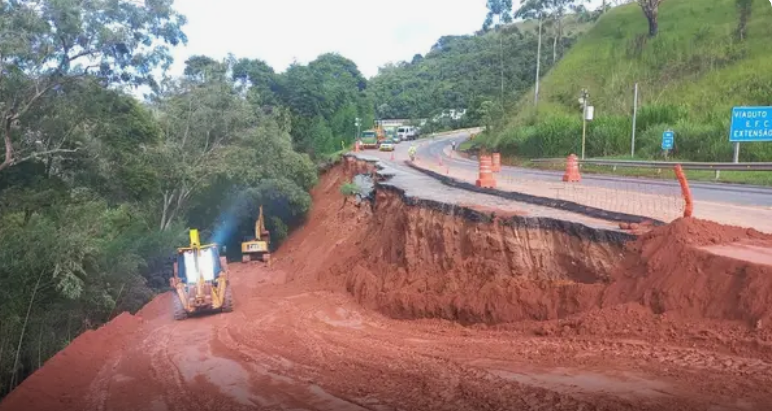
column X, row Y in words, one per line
column 208, row 265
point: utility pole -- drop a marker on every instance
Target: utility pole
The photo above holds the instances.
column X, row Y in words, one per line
column 501, row 61
column 584, row 98
column 357, row 122
column 635, row 114
column 538, row 67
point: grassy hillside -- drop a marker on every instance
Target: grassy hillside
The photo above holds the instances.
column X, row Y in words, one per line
column 690, row 76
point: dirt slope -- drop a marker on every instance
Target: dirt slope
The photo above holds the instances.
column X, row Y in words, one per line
column 303, row 335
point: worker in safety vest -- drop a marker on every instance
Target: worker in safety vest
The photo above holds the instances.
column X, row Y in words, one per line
column 411, row 152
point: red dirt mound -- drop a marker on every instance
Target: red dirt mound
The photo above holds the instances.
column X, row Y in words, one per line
column 55, row 386
column 668, row 271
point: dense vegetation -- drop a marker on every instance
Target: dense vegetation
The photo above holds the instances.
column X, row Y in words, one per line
column 703, row 58
column 485, row 73
column 97, row 188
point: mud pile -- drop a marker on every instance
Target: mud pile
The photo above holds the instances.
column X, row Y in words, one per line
column 410, row 259
column 671, row 270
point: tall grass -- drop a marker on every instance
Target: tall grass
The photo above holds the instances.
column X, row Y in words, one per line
column 690, row 76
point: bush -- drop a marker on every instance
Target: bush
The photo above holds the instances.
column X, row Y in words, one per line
column 653, row 114
column 608, row 136
column 349, row 189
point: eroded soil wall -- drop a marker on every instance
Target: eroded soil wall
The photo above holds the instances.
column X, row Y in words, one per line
column 411, row 258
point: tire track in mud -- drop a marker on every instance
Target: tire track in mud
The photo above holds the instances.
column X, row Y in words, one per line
column 350, row 352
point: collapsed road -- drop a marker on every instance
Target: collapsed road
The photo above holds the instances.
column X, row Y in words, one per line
column 733, row 204
column 437, row 299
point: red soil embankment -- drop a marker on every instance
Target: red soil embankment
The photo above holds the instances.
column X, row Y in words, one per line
column 669, row 271
column 415, row 261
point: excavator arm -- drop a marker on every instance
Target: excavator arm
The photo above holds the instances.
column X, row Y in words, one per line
column 259, row 247
column 260, row 232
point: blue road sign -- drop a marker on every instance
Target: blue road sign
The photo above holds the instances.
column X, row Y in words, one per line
column 667, row 140
column 751, row 124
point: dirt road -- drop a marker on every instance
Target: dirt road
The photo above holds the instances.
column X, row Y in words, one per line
column 304, row 336
column 287, row 348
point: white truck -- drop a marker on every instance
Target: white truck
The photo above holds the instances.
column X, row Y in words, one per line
column 406, row 133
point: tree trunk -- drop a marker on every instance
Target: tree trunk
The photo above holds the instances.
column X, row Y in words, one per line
column 538, row 67
column 8, row 161
column 653, row 25
column 23, row 329
column 501, row 60
column 555, row 49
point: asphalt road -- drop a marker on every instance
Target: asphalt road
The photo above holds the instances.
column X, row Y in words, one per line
column 738, row 194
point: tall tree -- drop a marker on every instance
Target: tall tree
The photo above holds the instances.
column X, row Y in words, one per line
column 501, row 11
column 535, row 9
column 46, row 43
column 200, row 119
column 557, row 10
column 744, row 9
column 650, row 9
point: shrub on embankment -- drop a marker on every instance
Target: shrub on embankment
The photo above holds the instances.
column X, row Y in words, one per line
column 690, row 76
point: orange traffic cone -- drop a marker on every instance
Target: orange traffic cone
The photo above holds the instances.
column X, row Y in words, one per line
column 486, row 179
column 572, row 170
column 496, row 165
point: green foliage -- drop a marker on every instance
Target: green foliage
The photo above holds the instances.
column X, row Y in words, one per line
column 690, row 76
column 324, row 98
column 461, row 72
column 99, row 189
column 48, row 44
column 349, row 189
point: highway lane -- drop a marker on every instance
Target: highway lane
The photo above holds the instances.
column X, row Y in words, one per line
column 737, row 194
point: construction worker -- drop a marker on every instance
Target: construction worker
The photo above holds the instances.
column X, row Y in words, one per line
column 411, row 152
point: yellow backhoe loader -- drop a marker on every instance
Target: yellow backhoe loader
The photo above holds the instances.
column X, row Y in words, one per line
column 257, row 248
column 200, row 280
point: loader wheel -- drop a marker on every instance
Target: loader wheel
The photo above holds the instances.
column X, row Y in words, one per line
column 178, row 309
column 227, row 304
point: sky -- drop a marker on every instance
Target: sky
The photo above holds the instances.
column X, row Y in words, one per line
column 369, row 32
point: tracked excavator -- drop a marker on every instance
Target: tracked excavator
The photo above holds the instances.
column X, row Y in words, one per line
column 200, row 280
column 257, row 248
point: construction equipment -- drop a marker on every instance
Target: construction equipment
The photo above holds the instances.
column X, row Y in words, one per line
column 200, row 280
column 257, row 247
column 373, row 137
column 369, row 139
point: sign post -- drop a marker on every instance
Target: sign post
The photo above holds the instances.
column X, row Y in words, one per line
column 635, row 114
column 668, row 140
column 583, row 100
column 750, row 124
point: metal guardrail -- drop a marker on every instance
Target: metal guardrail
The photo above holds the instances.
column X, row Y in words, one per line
column 667, row 164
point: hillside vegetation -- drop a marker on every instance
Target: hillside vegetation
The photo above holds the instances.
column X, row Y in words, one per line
column 97, row 189
column 465, row 72
column 690, row 75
